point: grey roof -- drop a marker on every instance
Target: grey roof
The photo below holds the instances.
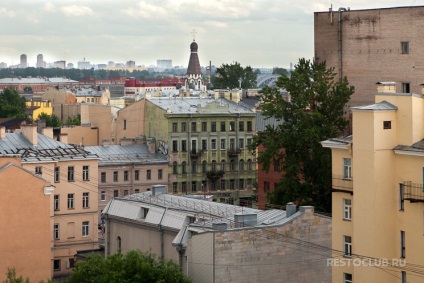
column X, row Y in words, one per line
column 87, row 92
column 47, row 149
column 383, row 105
column 417, row 147
column 121, row 154
column 36, row 80
column 196, row 105
column 262, row 122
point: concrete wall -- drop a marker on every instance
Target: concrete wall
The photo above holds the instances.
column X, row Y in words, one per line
column 99, row 116
column 199, row 258
column 133, row 116
column 81, row 135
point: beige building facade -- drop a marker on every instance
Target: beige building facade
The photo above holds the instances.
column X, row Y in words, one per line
column 378, row 193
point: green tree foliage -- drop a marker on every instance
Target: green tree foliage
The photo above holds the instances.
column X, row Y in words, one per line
column 73, row 121
column 51, row 120
column 12, row 277
column 280, row 71
column 314, row 114
column 12, row 105
column 227, row 76
column 134, row 266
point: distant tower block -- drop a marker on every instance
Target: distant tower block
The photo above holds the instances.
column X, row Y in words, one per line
column 23, row 61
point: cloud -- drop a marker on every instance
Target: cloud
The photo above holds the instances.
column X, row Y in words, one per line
column 216, row 24
column 77, row 11
column 146, row 11
column 7, row 13
column 48, row 7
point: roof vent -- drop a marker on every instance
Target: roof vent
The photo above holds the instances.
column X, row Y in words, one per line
column 245, row 220
column 158, row 189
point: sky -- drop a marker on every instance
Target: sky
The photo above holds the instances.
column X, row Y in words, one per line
column 257, row 33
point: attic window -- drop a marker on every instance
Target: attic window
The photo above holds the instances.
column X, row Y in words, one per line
column 387, row 125
column 145, row 211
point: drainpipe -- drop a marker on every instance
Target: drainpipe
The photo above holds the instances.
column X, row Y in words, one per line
column 162, row 252
column 340, row 44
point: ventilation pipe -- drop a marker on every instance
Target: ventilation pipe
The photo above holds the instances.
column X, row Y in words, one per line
column 340, row 44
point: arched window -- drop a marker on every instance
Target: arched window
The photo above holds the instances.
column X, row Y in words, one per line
column 204, row 166
column 193, row 167
column 213, row 165
column 175, row 167
column 223, row 165
column 118, row 243
column 249, row 164
column 232, row 165
column 241, row 164
column 184, row 167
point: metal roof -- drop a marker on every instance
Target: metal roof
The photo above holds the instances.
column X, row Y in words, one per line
column 120, row 154
column 196, row 105
column 383, row 105
column 36, row 80
column 262, row 122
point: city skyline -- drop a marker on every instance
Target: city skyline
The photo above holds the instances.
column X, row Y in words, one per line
column 263, row 33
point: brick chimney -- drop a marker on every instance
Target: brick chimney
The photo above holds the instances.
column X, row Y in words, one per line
column 386, row 87
column 63, row 138
column 2, row 133
column 151, row 145
column 48, row 132
column 30, row 133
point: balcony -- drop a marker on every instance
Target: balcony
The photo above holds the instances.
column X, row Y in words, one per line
column 341, row 184
column 215, row 175
column 233, row 151
column 196, row 154
column 412, row 192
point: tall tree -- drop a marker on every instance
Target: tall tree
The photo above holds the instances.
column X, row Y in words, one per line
column 51, row 120
column 228, row 76
column 134, row 266
column 314, row 114
column 12, row 105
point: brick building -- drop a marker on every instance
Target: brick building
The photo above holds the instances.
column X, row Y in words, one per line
column 370, row 46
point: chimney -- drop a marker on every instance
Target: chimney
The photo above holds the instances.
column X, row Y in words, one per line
column 30, row 133
column 48, row 132
column 386, row 87
column 2, row 133
column 290, row 209
column 151, row 145
column 63, row 138
column 158, row 189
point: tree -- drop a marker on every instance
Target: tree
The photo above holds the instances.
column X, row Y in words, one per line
column 73, row 121
column 134, row 266
column 12, row 105
column 12, row 277
column 314, row 114
column 280, row 71
column 51, row 120
column 228, row 76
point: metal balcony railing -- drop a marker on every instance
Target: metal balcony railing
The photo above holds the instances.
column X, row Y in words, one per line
column 413, row 192
column 341, row 184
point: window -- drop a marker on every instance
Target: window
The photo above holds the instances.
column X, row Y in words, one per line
column 193, row 166
column 71, row 263
column 241, row 143
column 183, row 187
column 405, row 88
column 404, row 46
column 232, row 165
column 223, row 185
column 347, row 278
column 175, row 167
column 204, row 127
column 213, row 126
column 387, row 125
column 193, row 126
column 222, row 144
column 56, row 202
column 213, row 165
column 232, row 184
column 403, row 276
column 56, row 265
column 222, row 126
column 204, row 166
column 103, row 195
column 70, row 201
column 183, row 127
column 125, row 124
column 249, row 126
column 71, row 173
column 184, row 167
column 115, row 176
column 347, row 209
column 249, row 142
column 126, row 192
column 266, row 187
column 57, row 174
column 136, row 191
column 174, row 127
column 241, row 164
column 118, row 243
column 56, row 232
column 39, row 170
column 174, row 187
column 204, row 144
column 160, row 174
column 194, row 186
column 126, row 175
column 85, row 200
column 183, row 145
column 103, row 177
column 85, row 228
column 241, row 126
column 402, row 244
column 241, row 184
column 223, row 165
column 85, row 173
column 115, row 193
column 149, row 174
column 174, row 146
column 249, row 164
column 232, row 126
column 137, row 175
column 347, row 245
column 213, row 144
column 232, row 144
column 347, row 169
column 401, row 197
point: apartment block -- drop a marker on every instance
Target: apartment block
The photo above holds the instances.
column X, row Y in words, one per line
column 377, row 197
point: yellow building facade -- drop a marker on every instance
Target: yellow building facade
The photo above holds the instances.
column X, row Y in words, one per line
column 38, row 107
column 378, row 198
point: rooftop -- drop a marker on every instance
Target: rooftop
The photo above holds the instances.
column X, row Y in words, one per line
column 36, row 80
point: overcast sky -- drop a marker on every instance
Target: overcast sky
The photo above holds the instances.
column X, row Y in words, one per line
column 259, row 33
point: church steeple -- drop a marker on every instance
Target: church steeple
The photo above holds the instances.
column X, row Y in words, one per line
column 194, row 73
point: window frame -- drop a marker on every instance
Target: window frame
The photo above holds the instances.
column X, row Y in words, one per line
column 85, row 228
column 71, row 173
column 71, row 201
column 56, row 231
column 160, row 174
column 148, row 174
column 347, row 209
column 402, row 244
column 347, row 278
column 103, row 177
column 137, row 175
column 404, row 47
column 126, row 176
column 347, row 246
column 115, row 176
column 56, row 202
column 347, row 169
column 57, row 174
column 103, row 196
column 85, row 200
column 86, row 173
